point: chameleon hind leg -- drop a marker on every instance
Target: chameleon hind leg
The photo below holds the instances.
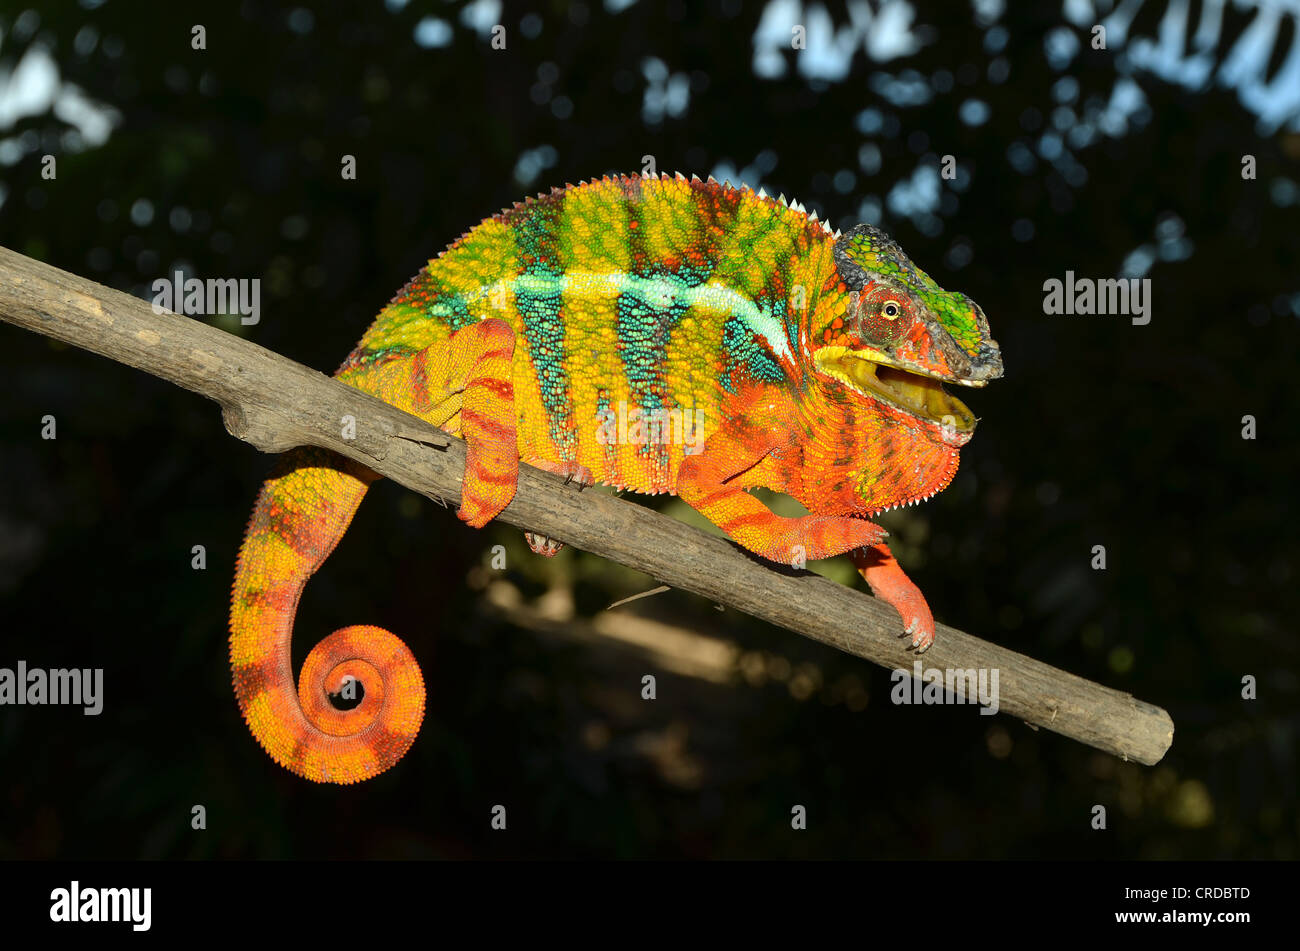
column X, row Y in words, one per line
column 465, row 386
column 472, row 378
column 572, row 472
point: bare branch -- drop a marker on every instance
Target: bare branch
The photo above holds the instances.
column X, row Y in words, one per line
column 276, row 404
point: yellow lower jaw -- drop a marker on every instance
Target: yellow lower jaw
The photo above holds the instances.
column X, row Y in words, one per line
column 919, row 395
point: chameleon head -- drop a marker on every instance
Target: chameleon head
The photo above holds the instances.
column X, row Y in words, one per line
column 901, row 334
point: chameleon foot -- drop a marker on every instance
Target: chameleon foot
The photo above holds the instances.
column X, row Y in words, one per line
column 542, row 545
column 920, row 627
column 572, row 472
column 888, row 583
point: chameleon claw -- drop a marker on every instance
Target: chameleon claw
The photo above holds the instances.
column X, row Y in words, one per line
column 543, row 545
column 573, row 472
column 919, row 639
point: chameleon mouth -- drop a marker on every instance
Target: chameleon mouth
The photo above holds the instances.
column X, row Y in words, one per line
column 913, row 393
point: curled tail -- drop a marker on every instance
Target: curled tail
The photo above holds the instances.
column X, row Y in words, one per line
column 301, row 513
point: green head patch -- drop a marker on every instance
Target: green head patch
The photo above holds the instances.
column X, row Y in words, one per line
column 901, row 332
column 868, row 259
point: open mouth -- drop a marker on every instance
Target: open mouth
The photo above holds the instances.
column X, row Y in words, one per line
column 918, row 395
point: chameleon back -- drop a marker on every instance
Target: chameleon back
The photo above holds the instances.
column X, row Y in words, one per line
column 639, row 307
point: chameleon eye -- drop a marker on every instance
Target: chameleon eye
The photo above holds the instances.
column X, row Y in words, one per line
column 882, row 317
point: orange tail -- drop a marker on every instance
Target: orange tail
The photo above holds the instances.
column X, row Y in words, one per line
column 301, row 513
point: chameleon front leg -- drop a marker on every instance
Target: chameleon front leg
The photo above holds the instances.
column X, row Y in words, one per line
column 709, row 483
column 474, row 372
column 888, row 582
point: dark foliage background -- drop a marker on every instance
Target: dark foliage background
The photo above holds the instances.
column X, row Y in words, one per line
column 225, row 162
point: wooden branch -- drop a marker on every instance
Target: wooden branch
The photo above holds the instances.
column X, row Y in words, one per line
column 276, row 404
